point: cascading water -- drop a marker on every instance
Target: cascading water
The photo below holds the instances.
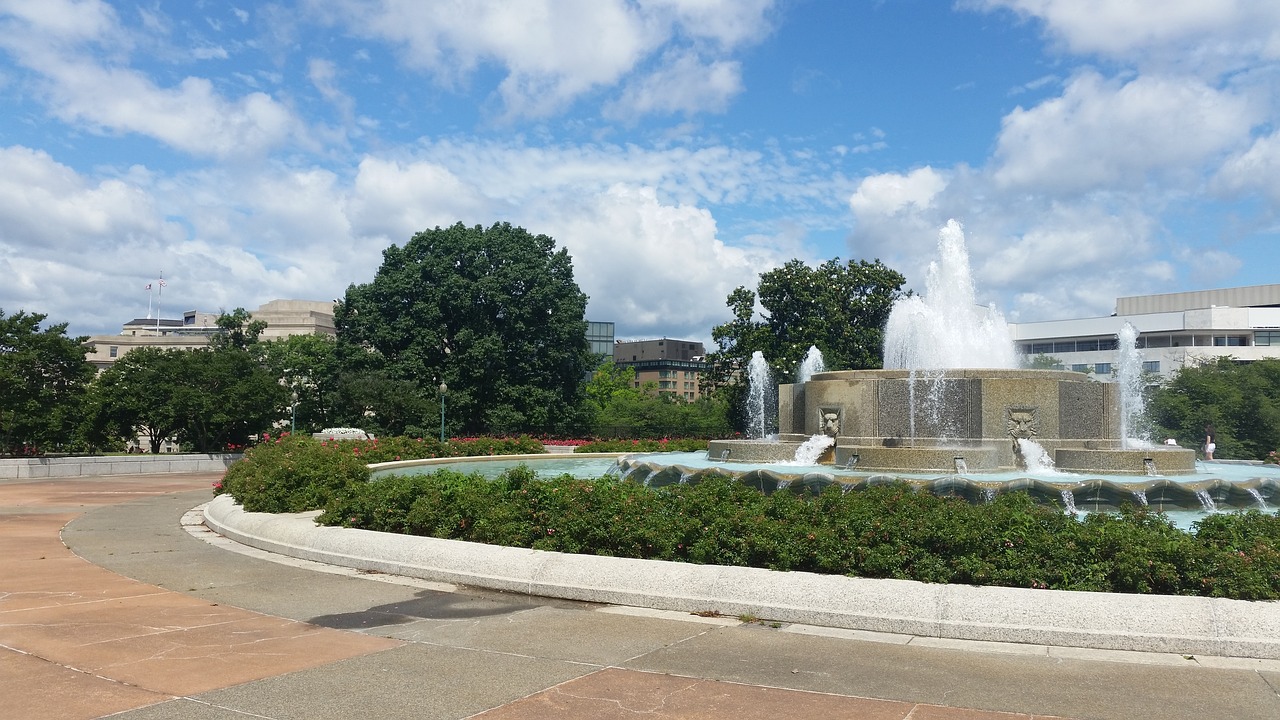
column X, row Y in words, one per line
column 759, row 385
column 945, row 328
column 810, row 451
column 811, row 365
column 1036, row 457
column 1129, row 380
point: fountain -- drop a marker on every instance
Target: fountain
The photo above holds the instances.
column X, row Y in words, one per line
column 952, row 395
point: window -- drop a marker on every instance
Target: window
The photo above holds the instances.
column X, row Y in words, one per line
column 1086, row 345
column 1041, row 348
column 1228, row 341
column 1102, row 368
column 115, row 350
column 1108, row 344
column 1079, row 367
column 1151, row 366
column 1064, row 346
column 1266, row 337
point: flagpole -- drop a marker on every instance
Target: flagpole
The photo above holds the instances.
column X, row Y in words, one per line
column 159, row 296
column 148, row 301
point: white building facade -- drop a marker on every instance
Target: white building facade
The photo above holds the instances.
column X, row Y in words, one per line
column 1176, row 330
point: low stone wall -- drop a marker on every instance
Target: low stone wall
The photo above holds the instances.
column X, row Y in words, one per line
column 55, row 467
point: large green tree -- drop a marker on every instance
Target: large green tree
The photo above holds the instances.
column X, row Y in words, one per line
column 841, row 308
column 133, row 398
column 1241, row 401
column 306, row 365
column 207, row 399
column 43, row 375
column 493, row 313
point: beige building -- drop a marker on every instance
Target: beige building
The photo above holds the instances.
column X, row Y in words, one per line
column 283, row 317
column 674, row 365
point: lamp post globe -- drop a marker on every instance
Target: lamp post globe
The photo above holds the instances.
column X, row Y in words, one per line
column 443, row 389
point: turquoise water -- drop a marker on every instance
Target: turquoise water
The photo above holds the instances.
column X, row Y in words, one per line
column 549, row 467
column 1218, row 487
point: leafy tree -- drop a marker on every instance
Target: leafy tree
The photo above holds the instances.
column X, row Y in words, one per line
column 384, row 405
column 133, row 397
column 308, row 365
column 223, row 396
column 206, row 398
column 840, row 308
column 1044, row 362
column 1241, row 401
column 494, row 313
column 237, row 329
column 43, row 376
column 609, row 382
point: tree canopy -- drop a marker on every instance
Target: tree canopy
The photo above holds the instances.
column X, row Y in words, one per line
column 43, row 375
column 1241, row 401
column 841, row 308
column 493, row 313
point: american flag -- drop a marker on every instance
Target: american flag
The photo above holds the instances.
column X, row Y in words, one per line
column 162, row 282
column 148, row 286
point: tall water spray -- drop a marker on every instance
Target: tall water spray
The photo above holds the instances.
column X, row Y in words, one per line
column 1129, row 382
column 811, row 365
column 945, row 328
column 759, row 388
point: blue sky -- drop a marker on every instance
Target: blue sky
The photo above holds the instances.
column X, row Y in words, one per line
column 678, row 148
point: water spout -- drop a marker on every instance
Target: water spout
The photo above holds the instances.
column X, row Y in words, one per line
column 759, row 385
column 946, row 328
column 811, row 365
column 961, row 466
column 1129, row 381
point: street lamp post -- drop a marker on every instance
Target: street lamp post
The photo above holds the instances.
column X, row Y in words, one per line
column 293, row 414
column 443, row 389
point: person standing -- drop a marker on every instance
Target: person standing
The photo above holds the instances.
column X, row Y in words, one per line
column 1209, row 444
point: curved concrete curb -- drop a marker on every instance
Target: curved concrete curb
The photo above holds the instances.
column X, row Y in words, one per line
column 1150, row 623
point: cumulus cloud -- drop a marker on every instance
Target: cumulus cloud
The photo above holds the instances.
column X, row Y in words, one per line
column 1104, row 133
column 553, row 53
column 62, row 42
column 1254, row 170
column 1190, row 34
column 683, row 84
column 660, row 268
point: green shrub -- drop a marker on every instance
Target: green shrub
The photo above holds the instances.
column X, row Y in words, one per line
column 885, row 531
column 292, row 474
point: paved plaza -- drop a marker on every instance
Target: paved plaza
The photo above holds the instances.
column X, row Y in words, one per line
column 113, row 604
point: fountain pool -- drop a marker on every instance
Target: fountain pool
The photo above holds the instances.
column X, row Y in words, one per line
column 1214, row 487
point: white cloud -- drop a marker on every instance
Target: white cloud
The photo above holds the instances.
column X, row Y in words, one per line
column 655, row 268
column 46, row 209
column 1192, row 34
column 556, row 52
column 1106, row 134
column 85, row 88
column 684, row 84
column 1254, row 170
column 891, row 193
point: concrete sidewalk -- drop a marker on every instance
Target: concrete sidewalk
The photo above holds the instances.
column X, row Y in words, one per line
column 143, row 619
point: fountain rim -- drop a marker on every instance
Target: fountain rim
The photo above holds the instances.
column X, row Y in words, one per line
column 953, row 374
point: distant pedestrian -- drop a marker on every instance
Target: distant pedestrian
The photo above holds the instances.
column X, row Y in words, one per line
column 1209, row 441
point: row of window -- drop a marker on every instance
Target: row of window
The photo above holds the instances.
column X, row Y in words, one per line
column 1104, row 368
column 1261, row 337
column 676, row 373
